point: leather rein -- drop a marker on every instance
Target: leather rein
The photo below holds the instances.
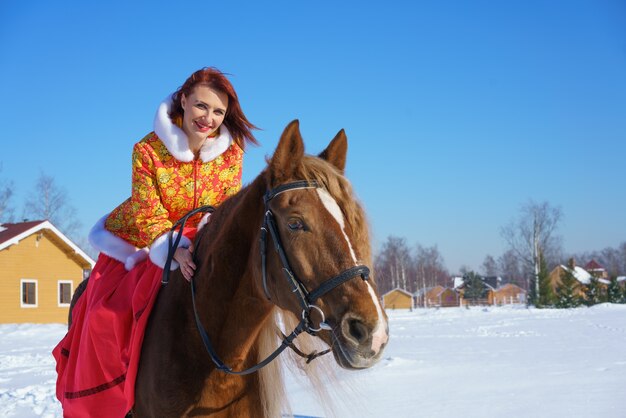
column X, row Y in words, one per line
column 306, row 298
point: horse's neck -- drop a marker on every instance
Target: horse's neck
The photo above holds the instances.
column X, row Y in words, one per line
column 232, row 308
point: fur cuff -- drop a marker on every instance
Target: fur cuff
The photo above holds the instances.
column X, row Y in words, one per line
column 158, row 250
column 107, row 243
column 176, row 142
column 205, row 220
column 136, row 258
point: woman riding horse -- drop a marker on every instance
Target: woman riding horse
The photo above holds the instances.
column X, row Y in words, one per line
column 192, row 158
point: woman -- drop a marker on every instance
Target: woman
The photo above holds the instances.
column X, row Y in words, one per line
column 192, row 158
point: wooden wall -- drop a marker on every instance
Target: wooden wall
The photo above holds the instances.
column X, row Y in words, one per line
column 43, row 258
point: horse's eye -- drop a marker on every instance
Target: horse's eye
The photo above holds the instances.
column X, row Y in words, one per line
column 295, row 224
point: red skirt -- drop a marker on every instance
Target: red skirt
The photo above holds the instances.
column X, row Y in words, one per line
column 97, row 360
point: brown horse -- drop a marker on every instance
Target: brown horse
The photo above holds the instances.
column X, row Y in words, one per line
column 323, row 232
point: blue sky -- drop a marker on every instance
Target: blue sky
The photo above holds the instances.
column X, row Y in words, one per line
column 457, row 113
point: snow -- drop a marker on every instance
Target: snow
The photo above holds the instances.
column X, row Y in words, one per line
column 478, row 362
column 579, row 273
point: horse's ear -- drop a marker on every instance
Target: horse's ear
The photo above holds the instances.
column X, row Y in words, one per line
column 335, row 152
column 288, row 154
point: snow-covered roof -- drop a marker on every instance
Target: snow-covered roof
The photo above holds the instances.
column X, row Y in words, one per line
column 458, row 281
column 579, row 273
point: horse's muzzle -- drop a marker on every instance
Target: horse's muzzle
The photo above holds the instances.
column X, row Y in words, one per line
column 357, row 345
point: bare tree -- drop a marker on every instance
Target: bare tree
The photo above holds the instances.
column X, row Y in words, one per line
column 532, row 233
column 393, row 265
column 509, row 268
column 489, row 267
column 430, row 268
column 6, row 194
column 50, row 202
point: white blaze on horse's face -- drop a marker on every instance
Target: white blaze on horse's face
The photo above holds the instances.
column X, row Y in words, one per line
column 380, row 336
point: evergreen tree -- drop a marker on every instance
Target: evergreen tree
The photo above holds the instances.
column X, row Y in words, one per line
column 532, row 293
column 546, row 294
column 567, row 292
column 593, row 292
column 614, row 293
column 474, row 287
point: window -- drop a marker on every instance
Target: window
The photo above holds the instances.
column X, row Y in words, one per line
column 28, row 293
column 65, row 288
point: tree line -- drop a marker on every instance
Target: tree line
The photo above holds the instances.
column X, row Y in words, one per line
column 533, row 249
column 45, row 201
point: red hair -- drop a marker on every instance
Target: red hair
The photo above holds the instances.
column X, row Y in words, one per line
column 235, row 121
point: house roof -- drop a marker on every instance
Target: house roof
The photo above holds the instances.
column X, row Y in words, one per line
column 593, row 265
column 509, row 285
column 458, row 281
column 11, row 234
column 492, row 282
column 397, row 289
column 579, row 273
column 425, row 290
column 8, row 231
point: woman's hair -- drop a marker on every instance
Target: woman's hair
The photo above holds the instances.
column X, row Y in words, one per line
column 235, row 121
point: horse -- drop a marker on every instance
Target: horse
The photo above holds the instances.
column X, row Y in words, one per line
column 304, row 207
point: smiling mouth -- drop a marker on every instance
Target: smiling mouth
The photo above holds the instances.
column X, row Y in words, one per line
column 202, row 127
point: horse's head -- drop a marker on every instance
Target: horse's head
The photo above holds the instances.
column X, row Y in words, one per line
column 323, row 232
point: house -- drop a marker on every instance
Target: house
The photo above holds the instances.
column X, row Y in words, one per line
column 597, row 271
column 398, row 299
column 490, row 282
column 437, row 296
column 448, row 298
column 39, row 270
column 582, row 276
column 508, row 294
column 427, row 296
column 496, row 293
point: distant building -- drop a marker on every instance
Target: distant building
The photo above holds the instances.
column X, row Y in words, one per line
column 580, row 274
column 596, row 270
column 508, row 294
column 496, row 293
column 39, row 270
column 437, row 296
column 398, row 299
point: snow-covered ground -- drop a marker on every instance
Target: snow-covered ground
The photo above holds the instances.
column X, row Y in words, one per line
column 481, row 362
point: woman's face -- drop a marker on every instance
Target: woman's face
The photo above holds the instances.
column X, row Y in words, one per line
column 204, row 111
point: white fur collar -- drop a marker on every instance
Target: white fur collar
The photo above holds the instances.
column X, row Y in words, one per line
column 175, row 139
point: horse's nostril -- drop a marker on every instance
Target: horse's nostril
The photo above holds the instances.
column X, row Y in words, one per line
column 358, row 330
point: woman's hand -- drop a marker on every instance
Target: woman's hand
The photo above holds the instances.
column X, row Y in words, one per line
column 184, row 257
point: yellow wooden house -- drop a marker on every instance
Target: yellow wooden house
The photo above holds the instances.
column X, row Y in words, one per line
column 39, row 270
column 398, row 299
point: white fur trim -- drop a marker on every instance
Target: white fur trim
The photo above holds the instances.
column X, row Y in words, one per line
column 158, row 249
column 176, row 142
column 136, row 258
column 106, row 242
column 205, row 220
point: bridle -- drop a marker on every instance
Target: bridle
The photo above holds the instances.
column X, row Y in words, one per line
column 305, row 297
